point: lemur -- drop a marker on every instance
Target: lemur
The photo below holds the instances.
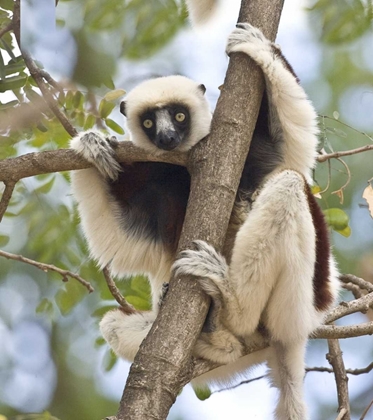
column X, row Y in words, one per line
column 281, row 277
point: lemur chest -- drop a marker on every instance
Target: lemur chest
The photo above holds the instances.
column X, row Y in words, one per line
column 152, row 198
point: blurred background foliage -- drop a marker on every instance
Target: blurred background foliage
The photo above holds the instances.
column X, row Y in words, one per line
column 51, row 356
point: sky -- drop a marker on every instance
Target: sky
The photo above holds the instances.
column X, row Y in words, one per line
column 199, row 54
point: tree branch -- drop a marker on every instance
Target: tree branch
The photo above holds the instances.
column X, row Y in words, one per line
column 31, row 164
column 360, row 371
column 164, row 363
column 48, row 267
column 334, row 357
column 39, row 76
column 124, row 305
column 336, row 155
column 6, row 29
column 347, row 308
column 346, row 331
column 5, row 198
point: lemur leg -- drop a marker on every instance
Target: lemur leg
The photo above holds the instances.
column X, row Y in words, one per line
column 269, row 279
column 270, row 276
column 292, row 116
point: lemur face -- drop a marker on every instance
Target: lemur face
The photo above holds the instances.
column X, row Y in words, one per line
column 167, row 113
column 166, row 127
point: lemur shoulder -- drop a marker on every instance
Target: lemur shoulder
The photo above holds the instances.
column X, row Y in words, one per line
column 282, row 275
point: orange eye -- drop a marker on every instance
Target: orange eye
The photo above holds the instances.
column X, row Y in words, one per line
column 180, row 117
column 147, row 123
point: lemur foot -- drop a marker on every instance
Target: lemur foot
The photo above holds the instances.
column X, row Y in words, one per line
column 98, row 150
column 251, row 41
column 124, row 333
column 205, row 263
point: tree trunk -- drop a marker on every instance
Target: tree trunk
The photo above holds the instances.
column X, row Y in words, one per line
column 164, row 363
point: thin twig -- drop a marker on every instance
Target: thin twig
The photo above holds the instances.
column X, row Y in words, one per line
column 354, row 289
column 48, row 267
column 335, row 155
column 360, row 371
column 6, row 29
column 245, row 382
column 346, row 125
column 366, row 410
column 341, row 414
column 339, row 192
column 307, row 370
column 37, row 74
column 47, row 94
column 363, row 284
column 334, row 357
column 5, row 198
column 346, row 331
column 125, row 306
column 347, row 308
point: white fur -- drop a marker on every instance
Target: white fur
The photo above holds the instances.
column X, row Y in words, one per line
column 269, row 280
column 109, row 243
column 296, row 116
column 201, row 10
column 160, row 92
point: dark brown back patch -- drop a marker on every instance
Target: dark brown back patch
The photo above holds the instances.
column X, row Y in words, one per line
column 321, row 280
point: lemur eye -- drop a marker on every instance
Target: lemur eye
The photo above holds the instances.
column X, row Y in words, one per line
column 180, row 117
column 147, row 123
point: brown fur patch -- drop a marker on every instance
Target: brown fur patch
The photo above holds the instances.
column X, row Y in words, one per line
column 321, row 280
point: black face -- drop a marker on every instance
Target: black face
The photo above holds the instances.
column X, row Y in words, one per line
column 166, row 127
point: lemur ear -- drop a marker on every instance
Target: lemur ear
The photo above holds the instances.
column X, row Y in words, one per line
column 202, row 88
column 122, row 108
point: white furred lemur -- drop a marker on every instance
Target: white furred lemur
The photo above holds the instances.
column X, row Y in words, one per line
column 282, row 277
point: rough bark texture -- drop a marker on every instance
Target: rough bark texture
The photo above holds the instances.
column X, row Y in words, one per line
column 31, row 164
column 164, row 363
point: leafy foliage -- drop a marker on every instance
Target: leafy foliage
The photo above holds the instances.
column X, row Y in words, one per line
column 345, row 20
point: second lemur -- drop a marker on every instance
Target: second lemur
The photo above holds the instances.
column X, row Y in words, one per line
column 282, row 275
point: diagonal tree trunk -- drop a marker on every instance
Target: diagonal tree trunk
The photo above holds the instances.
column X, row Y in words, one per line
column 164, row 363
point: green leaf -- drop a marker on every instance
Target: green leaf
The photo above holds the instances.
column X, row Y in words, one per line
column 110, row 359
column 45, row 188
column 202, row 393
column 68, row 298
column 78, row 100
column 100, row 312
column 346, row 232
column 2, row 67
column 100, row 341
column 69, row 100
column 114, row 126
column 114, row 94
column 4, row 239
column 45, row 306
column 89, row 122
column 337, row 219
column 8, row 105
column 138, row 302
column 105, row 108
column 13, row 82
column 7, row 4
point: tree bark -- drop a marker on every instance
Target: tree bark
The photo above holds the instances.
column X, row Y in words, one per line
column 164, row 363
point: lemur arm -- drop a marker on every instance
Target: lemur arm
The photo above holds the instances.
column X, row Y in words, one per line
column 292, row 116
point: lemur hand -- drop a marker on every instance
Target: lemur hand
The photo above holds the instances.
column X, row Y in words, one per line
column 98, row 150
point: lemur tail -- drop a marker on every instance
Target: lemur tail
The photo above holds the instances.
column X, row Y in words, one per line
column 201, row 10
